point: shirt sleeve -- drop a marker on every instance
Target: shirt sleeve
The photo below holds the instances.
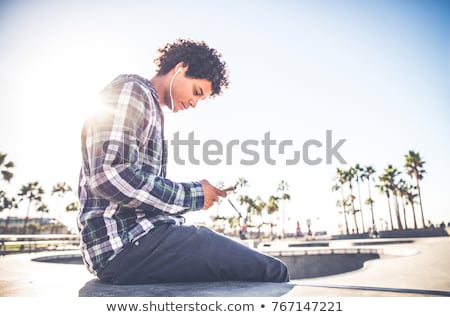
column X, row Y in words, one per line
column 114, row 146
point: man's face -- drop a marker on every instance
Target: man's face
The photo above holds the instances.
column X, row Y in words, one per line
column 186, row 91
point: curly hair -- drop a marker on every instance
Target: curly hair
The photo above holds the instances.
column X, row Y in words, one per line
column 203, row 62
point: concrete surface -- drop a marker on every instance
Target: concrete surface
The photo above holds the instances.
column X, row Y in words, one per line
column 94, row 288
column 418, row 268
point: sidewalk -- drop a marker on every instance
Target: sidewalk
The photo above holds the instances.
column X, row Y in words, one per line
column 422, row 270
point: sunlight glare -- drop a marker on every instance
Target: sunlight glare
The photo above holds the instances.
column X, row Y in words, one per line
column 91, row 106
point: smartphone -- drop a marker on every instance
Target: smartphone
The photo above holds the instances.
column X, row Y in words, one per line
column 231, row 188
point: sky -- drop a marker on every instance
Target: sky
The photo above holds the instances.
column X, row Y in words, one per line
column 374, row 73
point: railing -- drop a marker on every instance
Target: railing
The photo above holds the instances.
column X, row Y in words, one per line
column 13, row 244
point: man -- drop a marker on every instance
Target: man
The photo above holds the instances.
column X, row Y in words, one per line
column 130, row 219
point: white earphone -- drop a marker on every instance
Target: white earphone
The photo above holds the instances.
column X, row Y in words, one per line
column 170, row 86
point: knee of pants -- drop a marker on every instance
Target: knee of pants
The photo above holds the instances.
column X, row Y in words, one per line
column 280, row 272
column 285, row 273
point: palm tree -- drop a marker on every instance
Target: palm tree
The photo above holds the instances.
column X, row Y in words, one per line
column 3, row 200
column 33, row 193
column 358, row 174
column 383, row 188
column 410, row 196
column 60, row 189
column 389, row 179
column 73, row 206
column 339, row 205
column 246, row 200
column 258, row 208
column 350, row 175
column 368, row 171
column 283, row 188
column 414, row 168
column 42, row 208
column 254, row 208
column 233, row 222
column 241, row 182
column 243, row 199
column 342, row 180
column 7, row 203
column 350, row 201
column 401, row 191
column 369, row 202
column 5, row 167
column 272, row 208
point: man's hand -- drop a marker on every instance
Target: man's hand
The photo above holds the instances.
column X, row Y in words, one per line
column 211, row 194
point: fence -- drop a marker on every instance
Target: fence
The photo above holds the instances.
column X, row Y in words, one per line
column 13, row 244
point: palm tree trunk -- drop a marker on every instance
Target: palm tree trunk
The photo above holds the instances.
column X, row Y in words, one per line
column 404, row 212
column 25, row 223
column 414, row 214
column 371, row 205
column 7, row 221
column 397, row 212
column 360, row 207
column 41, row 220
column 420, row 198
column 271, row 224
column 353, row 209
column 6, row 224
column 355, row 221
column 390, row 211
column 345, row 211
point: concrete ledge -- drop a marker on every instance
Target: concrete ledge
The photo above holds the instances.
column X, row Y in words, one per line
column 415, row 233
column 407, row 233
column 95, row 288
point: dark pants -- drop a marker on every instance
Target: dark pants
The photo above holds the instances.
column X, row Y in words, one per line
column 190, row 254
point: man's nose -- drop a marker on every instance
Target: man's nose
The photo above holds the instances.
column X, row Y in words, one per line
column 193, row 102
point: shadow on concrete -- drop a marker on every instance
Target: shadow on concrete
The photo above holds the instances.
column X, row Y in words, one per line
column 95, row 288
column 60, row 259
column 318, row 265
column 382, row 242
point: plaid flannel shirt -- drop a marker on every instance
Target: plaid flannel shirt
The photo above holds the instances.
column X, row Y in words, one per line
column 123, row 189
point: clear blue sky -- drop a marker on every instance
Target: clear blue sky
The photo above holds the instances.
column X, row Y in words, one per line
column 376, row 73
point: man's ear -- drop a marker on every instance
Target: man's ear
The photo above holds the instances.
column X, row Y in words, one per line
column 181, row 65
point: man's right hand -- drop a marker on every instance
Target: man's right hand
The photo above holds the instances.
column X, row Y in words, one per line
column 211, row 194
